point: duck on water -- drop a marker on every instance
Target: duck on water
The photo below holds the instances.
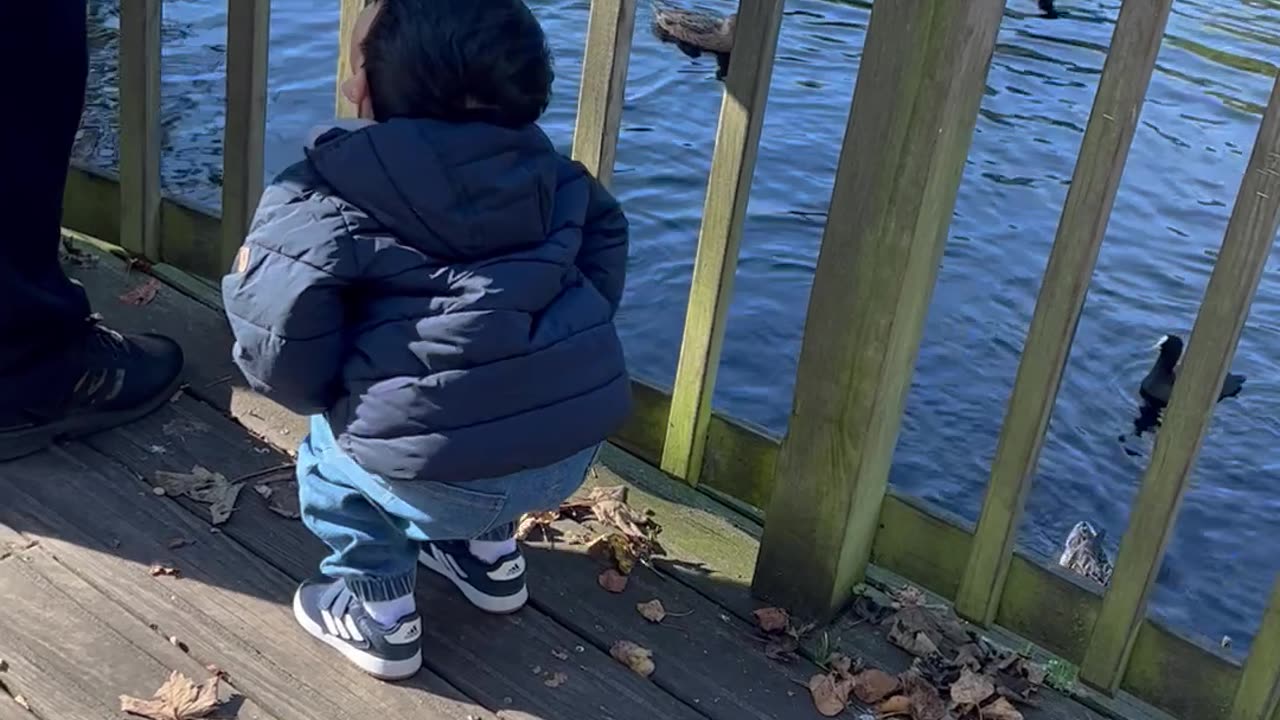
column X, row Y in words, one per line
column 1157, row 386
column 697, row 31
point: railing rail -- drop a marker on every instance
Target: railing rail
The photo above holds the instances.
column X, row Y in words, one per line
column 830, row 512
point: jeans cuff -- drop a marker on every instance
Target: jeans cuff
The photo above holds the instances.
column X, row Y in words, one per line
column 382, row 589
column 498, row 534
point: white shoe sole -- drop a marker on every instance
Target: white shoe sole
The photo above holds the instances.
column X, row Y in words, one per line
column 375, row 666
column 488, row 603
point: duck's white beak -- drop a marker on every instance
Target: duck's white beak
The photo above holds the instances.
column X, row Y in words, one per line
column 1160, row 342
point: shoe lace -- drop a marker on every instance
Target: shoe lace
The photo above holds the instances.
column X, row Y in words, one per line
column 104, row 374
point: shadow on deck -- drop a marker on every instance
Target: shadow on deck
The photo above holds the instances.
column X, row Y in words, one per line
column 85, row 621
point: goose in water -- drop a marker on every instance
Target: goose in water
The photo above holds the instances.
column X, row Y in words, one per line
column 1083, row 554
column 697, row 31
column 1157, row 386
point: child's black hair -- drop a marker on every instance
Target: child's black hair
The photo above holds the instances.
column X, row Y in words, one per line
column 458, row 61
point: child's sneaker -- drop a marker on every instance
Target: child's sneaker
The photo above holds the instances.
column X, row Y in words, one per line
column 327, row 609
column 496, row 587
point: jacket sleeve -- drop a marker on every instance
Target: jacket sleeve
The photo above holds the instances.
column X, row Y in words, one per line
column 605, row 240
column 284, row 298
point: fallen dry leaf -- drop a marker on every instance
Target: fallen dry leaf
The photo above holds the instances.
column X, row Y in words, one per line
column 178, row 699
column 1001, row 709
column 781, row 648
column 926, row 703
column 142, row 294
column 281, row 498
column 612, row 580
column 772, row 619
column 636, row 657
column 894, row 706
column 203, row 486
column 556, row 680
column 617, row 493
column 177, row 543
column 560, row 654
column 614, row 549
column 829, row 696
column 652, row 610
column 872, row 686
column 971, row 690
column 539, row 521
column 840, row 663
column 159, row 569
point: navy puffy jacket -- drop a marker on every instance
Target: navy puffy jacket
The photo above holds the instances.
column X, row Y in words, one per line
column 444, row 293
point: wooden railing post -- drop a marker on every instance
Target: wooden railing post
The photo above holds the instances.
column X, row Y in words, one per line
column 604, row 83
column 1245, row 248
column 140, row 127
column 733, row 164
column 915, row 105
column 1125, row 76
column 248, row 22
column 1258, row 697
column 348, row 10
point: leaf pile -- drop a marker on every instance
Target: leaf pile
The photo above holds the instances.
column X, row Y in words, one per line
column 636, row 657
column 634, row 535
column 844, row 679
column 957, row 673
column 203, row 486
column 178, row 699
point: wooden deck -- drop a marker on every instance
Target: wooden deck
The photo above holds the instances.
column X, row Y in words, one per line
column 83, row 620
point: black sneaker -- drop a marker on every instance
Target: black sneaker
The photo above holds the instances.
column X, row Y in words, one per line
column 117, row 379
column 496, row 587
column 329, row 612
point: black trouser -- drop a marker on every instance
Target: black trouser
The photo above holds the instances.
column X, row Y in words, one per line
column 41, row 312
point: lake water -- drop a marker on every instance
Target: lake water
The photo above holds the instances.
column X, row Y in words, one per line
column 1214, row 74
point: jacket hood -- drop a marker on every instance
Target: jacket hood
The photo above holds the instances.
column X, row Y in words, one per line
column 454, row 191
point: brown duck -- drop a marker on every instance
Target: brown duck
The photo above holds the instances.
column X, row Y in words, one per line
column 697, row 31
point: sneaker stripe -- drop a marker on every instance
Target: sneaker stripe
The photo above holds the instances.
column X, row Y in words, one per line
column 453, row 564
column 352, row 633
column 329, row 625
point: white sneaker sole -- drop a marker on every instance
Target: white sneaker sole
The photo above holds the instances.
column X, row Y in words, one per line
column 373, row 665
column 488, row 603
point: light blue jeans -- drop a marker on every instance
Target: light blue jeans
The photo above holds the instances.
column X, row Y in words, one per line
column 374, row 526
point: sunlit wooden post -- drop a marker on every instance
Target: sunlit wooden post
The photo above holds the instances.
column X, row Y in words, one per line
column 1258, row 697
column 242, row 145
column 140, row 127
column 1125, row 77
column 915, row 105
column 733, row 164
column 603, row 88
column 1249, row 237
column 348, row 10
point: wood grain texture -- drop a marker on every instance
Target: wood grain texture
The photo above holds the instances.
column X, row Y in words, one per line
column 1099, row 167
column 248, row 24
column 1245, row 248
column 1258, row 697
column 140, row 127
column 704, row 655
column 733, row 163
column 908, row 136
column 228, row 606
column 602, row 90
column 71, row 651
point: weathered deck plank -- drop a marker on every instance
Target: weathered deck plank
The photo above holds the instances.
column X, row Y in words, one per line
column 68, row 656
column 703, row 655
column 490, row 659
column 229, row 607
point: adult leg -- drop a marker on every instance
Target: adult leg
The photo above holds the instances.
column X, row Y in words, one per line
column 40, row 309
column 61, row 373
